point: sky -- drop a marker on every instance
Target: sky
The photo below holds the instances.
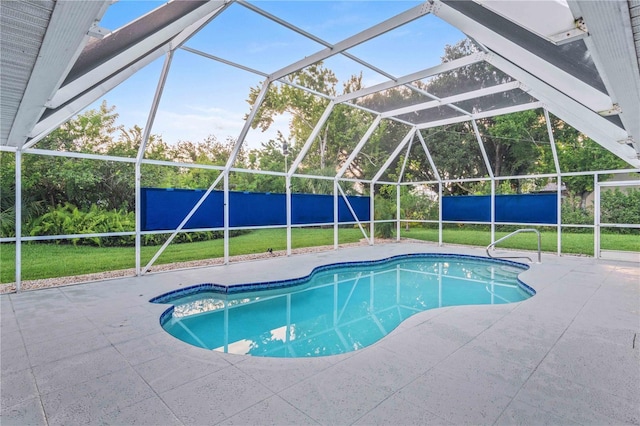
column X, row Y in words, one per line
column 203, row 97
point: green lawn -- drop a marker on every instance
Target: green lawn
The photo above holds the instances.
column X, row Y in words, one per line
column 52, row 260
column 56, row 260
column 571, row 243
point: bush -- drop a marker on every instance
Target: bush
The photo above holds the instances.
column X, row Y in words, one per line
column 384, row 209
column 620, row 207
column 68, row 220
column 574, row 214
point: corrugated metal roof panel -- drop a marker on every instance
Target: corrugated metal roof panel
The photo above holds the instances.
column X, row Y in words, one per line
column 573, row 58
column 101, row 51
column 634, row 11
column 24, row 24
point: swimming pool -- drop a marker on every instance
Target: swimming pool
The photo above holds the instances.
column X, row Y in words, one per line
column 337, row 308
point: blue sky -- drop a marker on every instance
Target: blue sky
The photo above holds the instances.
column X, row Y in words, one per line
column 203, row 97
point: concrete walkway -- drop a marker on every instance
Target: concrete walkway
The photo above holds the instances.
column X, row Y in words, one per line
column 95, row 354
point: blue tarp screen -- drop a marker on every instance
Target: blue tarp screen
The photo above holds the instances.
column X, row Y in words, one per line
column 522, row 208
column 164, row 209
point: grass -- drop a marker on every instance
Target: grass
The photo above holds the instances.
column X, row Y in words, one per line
column 58, row 260
column 571, row 243
column 52, row 260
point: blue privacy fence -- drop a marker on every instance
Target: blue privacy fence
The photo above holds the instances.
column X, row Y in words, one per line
column 164, row 209
column 522, row 208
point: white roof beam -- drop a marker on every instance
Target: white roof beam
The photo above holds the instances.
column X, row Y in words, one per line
column 310, row 36
column 356, row 150
column 612, row 48
column 394, row 154
column 184, row 35
column 66, row 36
column 223, row 61
column 598, row 128
column 61, row 115
column 452, row 99
column 429, row 157
column 314, row 134
column 284, row 23
column 123, row 59
column 428, row 72
column 247, row 124
column 507, row 110
column 483, row 151
column 561, row 80
column 372, row 32
column 484, row 114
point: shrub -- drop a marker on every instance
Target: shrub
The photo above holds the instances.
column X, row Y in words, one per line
column 384, row 209
column 620, row 207
column 67, row 219
column 573, row 213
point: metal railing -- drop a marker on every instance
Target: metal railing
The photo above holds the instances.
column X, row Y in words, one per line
column 493, row 244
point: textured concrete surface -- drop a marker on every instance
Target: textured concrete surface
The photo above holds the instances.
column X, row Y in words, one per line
column 95, row 354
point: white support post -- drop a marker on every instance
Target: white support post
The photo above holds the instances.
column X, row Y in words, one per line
column 437, row 175
column 398, row 212
column 372, row 215
column 559, row 215
column 288, row 206
column 140, row 156
column 225, row 184
column 401, row 175
column 384, row 167
column 493, row 210
column 310, row 139
column 493, row 179
column 596, row 218
column 440, row 214
column 558, row 182
column 336, row 236
column 18, row 208
column 138, row 216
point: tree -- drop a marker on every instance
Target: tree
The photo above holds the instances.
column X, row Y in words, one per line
column 338, row 136
column 269, row 158
column 513, row 143
column 304, row 107
column 576, row 152
column 509, row 140
column 57, row 180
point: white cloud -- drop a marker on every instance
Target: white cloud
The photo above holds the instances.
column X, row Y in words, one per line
column 201, row 122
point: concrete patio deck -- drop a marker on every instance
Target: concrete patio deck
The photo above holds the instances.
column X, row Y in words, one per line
column 95, row 354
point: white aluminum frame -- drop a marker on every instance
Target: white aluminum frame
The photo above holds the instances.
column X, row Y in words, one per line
column 573, row 101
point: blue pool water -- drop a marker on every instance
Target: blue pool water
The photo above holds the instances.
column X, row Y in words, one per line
column 337, row 308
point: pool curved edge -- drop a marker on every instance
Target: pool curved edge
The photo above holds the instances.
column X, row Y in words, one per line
column 221, row 289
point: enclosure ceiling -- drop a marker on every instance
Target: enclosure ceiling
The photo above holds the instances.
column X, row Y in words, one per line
column 577, row 59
